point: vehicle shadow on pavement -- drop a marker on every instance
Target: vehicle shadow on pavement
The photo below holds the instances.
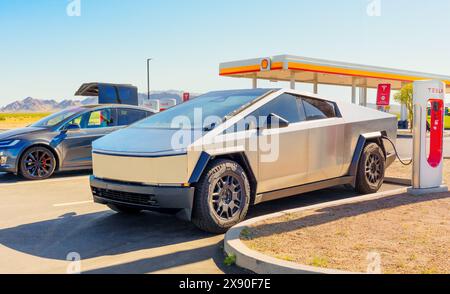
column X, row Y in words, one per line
column 331, row 194
column 173, row 260
column 98, row 234
column 14, row 179
column 335, row 213
column 108, row 234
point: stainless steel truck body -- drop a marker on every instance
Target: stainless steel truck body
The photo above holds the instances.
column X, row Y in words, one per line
column 211, row 158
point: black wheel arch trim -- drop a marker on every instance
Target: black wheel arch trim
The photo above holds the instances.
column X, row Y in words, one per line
column 376, row 137
column 239, row 157
column 200, row 167
column 206, row 158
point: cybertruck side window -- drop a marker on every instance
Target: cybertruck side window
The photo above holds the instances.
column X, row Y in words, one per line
column 246, row 124
column 284, row 106
column 318, row 109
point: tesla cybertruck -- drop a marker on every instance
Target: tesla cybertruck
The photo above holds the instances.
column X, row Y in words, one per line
column 211, row 158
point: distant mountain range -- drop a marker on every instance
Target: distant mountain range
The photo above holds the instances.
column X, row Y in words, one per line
column 40, row 105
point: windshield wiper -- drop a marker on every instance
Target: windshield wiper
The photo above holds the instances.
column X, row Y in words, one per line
column 210, row 127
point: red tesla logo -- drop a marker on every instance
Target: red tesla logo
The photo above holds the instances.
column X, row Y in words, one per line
column 383, row 94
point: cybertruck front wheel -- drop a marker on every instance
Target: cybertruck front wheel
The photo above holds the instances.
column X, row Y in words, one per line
column 222, row 197
column 371, row 170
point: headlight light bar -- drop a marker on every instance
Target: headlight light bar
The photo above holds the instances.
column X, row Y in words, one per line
column 8, row 143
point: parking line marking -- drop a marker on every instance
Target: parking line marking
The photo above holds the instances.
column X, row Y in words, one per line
column 73, row 203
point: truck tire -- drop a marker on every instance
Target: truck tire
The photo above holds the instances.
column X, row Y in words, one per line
column 371, row 170
column 222, row 197
column 123, row 209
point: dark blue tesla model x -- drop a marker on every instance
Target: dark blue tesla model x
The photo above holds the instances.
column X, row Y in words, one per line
column 62, row 141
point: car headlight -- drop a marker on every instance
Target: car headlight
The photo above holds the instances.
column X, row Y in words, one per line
column 8, row 143
column 3, row 159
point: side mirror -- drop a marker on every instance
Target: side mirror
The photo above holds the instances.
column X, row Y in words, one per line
column 276, row 122
column 72, row 128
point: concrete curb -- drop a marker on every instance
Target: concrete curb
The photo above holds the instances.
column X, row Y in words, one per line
column 263, row 264
column 398, row 181
column 421, row 192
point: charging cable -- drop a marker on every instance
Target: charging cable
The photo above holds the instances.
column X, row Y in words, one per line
column 396, row 153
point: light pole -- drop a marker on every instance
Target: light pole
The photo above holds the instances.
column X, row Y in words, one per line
column 148, row 77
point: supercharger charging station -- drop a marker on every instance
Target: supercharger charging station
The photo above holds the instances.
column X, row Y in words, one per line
column 167, row 103
column 428, row 155
column 154, row 105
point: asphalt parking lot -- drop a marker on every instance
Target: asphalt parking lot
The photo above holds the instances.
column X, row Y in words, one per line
column 42, row 222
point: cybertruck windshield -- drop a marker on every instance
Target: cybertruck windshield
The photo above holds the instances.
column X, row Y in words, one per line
column 204, row 112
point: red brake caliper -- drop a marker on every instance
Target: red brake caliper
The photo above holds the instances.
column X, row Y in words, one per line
column 44, row 163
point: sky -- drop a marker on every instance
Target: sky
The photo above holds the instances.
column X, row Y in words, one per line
column 46, row 52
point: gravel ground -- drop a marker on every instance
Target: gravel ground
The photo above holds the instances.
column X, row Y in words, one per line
column 409, row 234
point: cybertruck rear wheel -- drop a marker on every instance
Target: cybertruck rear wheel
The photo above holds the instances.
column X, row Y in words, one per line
column 37, row 163
column 222, row 197
column 371, row 170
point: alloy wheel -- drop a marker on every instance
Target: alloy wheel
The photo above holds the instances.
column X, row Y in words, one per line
column 227, row 197
column 373, row 169
column 39, row 163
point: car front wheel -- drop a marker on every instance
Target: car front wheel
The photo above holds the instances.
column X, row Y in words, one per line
column 37, row 163
column 371, row 170
column 222, row 197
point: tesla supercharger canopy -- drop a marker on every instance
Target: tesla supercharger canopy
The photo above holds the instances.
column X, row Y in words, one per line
column 429, row 98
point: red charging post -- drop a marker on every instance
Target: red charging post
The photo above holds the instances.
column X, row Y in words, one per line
column 436, row 132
